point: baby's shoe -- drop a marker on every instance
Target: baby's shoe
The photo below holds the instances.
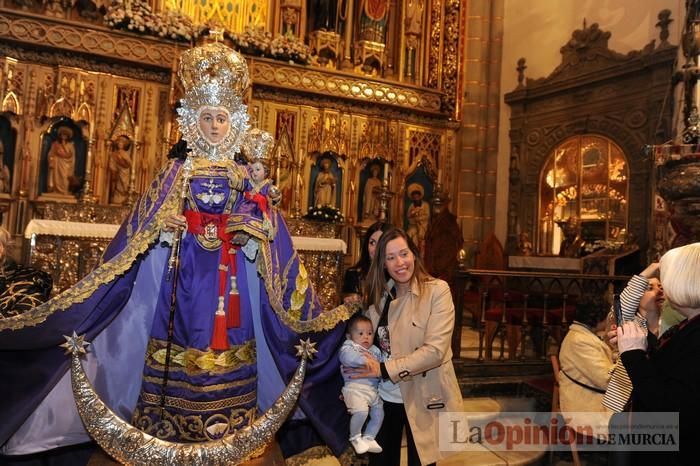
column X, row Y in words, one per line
column 372, row 445
column 360, row 446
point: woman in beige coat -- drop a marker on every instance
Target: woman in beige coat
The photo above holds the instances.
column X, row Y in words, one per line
column 413, row 315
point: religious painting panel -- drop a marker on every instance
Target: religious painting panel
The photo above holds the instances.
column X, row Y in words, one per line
column 8, row 138
column 374, row 15
column 62, row 162
column 326, row 181
column 418, row 191
column 68, row 85
column 371, row 177
column 45, row 93
column 286, row 121
column 125, row 95
column 119, row 169
column 286, row 159
column 421, row 143
column 120, row 157
column 12, row 86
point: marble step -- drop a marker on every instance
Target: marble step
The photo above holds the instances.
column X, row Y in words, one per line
column 485, row 409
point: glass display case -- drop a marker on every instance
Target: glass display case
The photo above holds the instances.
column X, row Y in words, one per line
column 585, row 177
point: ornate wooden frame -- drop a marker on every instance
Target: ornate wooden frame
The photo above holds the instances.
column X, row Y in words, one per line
column 595, row 90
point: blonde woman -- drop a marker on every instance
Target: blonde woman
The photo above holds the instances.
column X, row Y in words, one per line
column 664, row 371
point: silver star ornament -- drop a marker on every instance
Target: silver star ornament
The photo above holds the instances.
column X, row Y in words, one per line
column 75, row 344
column 306, row 349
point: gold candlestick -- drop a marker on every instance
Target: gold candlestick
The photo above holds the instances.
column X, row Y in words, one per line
column 87, row 196
column 384, row 195
column 133, row 195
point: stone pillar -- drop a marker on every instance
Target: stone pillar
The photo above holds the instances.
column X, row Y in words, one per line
column 477, row 152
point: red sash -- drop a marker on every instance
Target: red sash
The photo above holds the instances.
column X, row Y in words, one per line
column 212, row 227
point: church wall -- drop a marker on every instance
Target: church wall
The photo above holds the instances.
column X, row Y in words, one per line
column 536, row 30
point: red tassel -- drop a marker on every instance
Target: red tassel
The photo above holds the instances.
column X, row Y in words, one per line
column 234, row 311
column 219, row 338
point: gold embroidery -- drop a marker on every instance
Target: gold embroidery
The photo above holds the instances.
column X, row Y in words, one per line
column 196, row 362
column 275, row 285
column 201, row 406
column 202, row 388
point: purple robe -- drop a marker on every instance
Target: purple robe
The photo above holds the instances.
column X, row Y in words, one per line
column 116, row 301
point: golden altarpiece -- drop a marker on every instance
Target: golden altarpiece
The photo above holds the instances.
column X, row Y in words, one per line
column 361, row 97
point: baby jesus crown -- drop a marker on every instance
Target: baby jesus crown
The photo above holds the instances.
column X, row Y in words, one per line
column 258, row 146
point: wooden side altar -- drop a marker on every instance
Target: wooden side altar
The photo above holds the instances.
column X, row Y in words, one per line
column 70, row 250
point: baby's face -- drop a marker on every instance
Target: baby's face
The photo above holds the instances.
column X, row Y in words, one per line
column 362, row 334
column 257, row 171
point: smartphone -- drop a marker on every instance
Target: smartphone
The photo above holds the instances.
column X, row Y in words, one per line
column 617, row 308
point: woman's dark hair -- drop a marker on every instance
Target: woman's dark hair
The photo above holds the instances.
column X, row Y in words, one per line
column 378, row 277
column 365, row 261
column 591, row 309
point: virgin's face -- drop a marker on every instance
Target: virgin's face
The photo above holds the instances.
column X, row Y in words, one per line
column 214, row 124
column 399, row 261
column 372, row 243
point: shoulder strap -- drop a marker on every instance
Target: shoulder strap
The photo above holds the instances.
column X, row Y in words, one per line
column 581, row 384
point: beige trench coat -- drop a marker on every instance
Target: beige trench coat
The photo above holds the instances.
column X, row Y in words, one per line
column 420, row 331
column 589, row 360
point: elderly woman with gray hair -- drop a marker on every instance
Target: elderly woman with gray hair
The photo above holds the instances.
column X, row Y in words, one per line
column 665, row 371
column 21, row 288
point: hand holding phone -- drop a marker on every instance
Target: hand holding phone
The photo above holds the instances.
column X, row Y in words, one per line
column 617, row 308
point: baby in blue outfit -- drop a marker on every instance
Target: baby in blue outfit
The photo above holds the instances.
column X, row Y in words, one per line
column 361, row 394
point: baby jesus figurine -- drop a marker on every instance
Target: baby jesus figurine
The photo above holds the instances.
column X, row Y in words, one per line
column 259, row 192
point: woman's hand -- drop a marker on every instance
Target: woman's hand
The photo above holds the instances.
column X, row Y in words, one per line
column 652, row 271
column 174, row 222
column 631, row 337
column 612, row 336
column 369, row 369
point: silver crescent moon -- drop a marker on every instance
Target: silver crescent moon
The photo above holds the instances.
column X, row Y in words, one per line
column 129, row 445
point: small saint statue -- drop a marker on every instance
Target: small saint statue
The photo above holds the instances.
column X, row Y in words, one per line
column 572, row 244
column 524, row 244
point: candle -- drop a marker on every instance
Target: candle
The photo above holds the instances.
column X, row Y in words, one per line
column 92, row 131
column 439, row 176
column 137, row 133
column 386, row 171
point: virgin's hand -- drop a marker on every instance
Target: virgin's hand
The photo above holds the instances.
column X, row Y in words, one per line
column 631, row 337
column 369, row 369
column 174, row 222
